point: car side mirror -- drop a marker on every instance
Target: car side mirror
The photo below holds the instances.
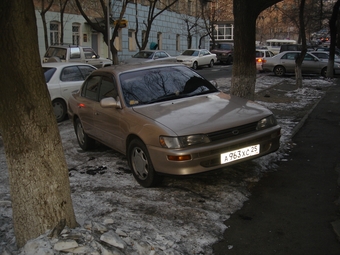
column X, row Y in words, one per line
column 110, row 102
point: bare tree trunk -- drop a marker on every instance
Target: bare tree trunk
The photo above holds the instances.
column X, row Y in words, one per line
column 302, row 35
column 244, row 66
column 38, row 174
column 333, row 30
column 43, row 18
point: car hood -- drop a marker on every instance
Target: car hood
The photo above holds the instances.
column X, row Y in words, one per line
column 204, row 114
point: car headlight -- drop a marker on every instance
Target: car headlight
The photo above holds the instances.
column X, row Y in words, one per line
column 176, row 142
column 267, row 122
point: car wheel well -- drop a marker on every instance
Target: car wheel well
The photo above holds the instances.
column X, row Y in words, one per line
column 60, row 115
column 130, row 138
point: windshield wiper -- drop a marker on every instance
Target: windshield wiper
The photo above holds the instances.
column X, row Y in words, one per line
column 164, row 98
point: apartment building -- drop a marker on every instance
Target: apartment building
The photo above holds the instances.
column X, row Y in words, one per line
column 169, row 29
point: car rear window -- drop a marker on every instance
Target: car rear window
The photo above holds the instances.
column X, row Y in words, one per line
column 48, row 73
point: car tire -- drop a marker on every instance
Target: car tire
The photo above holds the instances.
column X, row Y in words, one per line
column 211, row 64
column 60, row 109
column 195, row 65
column 141, row 165
column 324, row 72
column 279, row 70
column 229, row 60
column 85, row 142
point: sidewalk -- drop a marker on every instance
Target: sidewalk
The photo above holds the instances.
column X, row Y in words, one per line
column 295, row 210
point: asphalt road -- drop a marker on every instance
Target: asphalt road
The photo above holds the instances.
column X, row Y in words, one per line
column 295, row 210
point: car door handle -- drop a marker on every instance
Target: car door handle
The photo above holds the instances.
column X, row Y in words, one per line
column 96, row 113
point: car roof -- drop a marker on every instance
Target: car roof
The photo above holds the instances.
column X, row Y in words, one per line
column 132, row 67
column 63, row 64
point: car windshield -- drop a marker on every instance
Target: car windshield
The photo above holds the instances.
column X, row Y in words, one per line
column 143, row 54
column 162, row 84
column 48, row 73
column 190, row 53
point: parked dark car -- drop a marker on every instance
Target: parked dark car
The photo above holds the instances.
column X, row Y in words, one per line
column 224, row 52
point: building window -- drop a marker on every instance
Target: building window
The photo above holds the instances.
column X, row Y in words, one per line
column 54, row 33
column 76, row 34
column 178, row 40
column 132, row 40
column 159, row 40
column 224, row 32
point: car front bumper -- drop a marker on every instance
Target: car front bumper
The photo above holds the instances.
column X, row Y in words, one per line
column 207, row 157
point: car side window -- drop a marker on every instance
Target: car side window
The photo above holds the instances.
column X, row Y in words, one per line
column 91, row 88
column 86, row 70
column 290, row 56
column 308, row 58
column 71, row 73
column 107, row 88
column 89, row 53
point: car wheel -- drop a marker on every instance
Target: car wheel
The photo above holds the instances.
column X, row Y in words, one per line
column 195, row 65
column 324, row 72
column 279, row 70
column 60, row 109
column 85, row 142
column 211, row 63
column 229, row 60
column 141, row 165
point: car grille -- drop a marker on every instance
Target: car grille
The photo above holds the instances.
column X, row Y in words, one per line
column 232, row 132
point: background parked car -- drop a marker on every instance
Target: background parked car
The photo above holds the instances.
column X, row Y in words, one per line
column 149, row 56
column 284, row 62
column 167, row 119
column 62, row 79
column 75, row 53
column 197, row 57
column 224, row 52
column 324, row 56
column 337, row 51
column 261, row 55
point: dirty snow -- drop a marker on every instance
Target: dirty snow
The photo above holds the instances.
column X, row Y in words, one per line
column 184, row 215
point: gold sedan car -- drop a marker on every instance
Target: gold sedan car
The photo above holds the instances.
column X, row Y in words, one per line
column 167, row 119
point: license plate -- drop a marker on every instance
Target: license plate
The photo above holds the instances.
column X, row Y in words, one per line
column 245, row 152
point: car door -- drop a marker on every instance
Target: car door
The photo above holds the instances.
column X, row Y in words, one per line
column 288, row 61
column 107, row 120
column 71, row 78
column 311, row 64
column 87, row 102
column 92, row 58
column 207, row 57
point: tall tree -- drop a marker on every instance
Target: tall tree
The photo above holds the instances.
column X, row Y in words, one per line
column 333, row 31
column 100, row 25
column 38, row 174
column 153, row 13
column 244, row 69
column 302, row 35
column 43, row 18
column 62, row 7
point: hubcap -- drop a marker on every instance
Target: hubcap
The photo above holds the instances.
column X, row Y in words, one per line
column 140, row 163
column 80, row 133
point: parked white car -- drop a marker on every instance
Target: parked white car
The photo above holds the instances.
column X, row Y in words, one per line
column 145, row 56
column 284, row 62
column 261, row 55
column 197, row 57
column 62, row 79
